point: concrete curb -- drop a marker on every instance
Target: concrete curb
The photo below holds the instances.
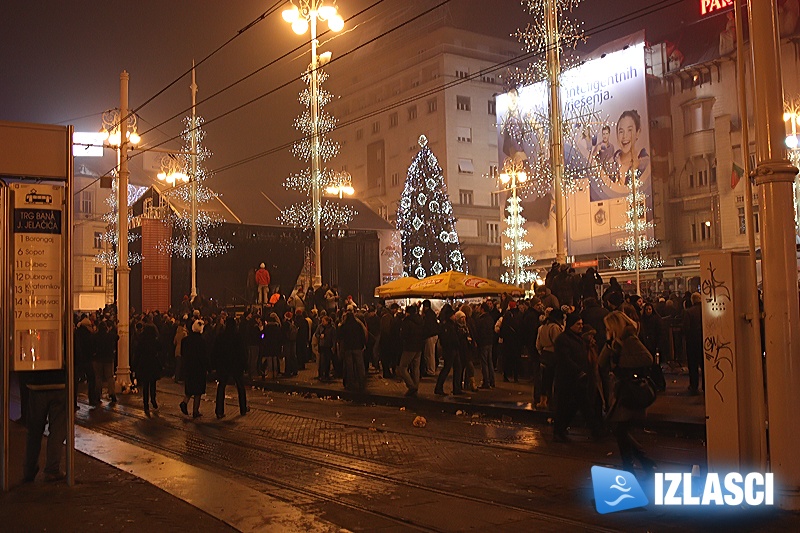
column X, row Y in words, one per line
column 520, row 412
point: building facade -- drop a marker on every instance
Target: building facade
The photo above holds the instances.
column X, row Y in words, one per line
column 438, row 83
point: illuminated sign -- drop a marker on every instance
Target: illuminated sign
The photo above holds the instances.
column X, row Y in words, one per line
column 712, row 6
column 87, row 144
column 733, row 489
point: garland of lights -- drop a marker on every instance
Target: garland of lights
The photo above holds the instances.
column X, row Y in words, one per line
column 111, row 235
column 637, row 224
column 332, row 215
column 180, row 219
column 517, row 261
column 425, row 220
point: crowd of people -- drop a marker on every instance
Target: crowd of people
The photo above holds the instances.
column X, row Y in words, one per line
column 578, row 347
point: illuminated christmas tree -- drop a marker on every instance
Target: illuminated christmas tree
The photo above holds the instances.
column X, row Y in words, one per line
column 300, row 215
column 192, row 171
column 637, row 227
column 425, row 220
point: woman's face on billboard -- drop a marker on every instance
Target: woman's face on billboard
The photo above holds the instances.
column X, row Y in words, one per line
column 627, row 134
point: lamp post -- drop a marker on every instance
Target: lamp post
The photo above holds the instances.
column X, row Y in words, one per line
column 512, row 175
column 114, row 124
column 341, row 184
column 302, row 15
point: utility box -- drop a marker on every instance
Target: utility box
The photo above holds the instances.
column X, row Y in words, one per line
column 733, row 359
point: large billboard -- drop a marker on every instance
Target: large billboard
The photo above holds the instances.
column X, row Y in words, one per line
column 606, row 141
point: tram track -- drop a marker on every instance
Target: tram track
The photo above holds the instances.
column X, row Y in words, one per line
column 329, row 465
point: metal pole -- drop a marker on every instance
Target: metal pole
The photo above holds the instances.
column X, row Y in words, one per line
column 635, row 219
column 315, row 177
column 123, row 271
column 5, row 312
column 556, row 136
column 69, row 331
column 775, row 174
column 754, row 451
column 193, row 179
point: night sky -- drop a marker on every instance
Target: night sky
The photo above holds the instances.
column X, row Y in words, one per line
column 60, row 63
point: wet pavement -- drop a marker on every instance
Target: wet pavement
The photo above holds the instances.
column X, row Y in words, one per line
column 343, row 464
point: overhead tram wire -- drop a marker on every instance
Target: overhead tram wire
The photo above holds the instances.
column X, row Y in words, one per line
column 262, row 68
column 638, row 13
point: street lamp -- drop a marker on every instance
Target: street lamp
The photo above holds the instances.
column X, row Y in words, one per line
column 301, row 15
column 341, row 183
column 116, row 122
column 792, row 117
column 512, row 176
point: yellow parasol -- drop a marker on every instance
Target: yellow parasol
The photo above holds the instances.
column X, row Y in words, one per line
column 447, row 285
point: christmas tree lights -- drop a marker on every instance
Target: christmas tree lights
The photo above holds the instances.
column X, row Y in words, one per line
column 637, row 227
column 110, row 236
column 193, row 166
column 301, row 215
column 425, row 220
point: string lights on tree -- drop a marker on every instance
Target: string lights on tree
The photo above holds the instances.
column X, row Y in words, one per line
column 637, row 241
column 190, row 176
column 425, row 220
column 516, row 259
column 110, row 236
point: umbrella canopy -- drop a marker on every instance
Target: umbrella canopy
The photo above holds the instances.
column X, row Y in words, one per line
column 448, row 285
column 388, row 290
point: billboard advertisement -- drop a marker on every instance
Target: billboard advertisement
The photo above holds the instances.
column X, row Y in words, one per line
column 606, row 142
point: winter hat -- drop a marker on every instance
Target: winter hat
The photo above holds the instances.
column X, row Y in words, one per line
column 197, row 327
column 572, row 318
column 556, row 315
column 459, row 316
column 615, row 299
column 512, row 304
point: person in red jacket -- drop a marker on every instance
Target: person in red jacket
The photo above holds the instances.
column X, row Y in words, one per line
column 262, row 280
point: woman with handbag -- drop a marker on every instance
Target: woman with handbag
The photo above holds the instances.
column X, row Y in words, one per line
column 627, row 359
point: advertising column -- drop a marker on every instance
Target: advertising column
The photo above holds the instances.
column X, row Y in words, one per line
column 37, row 270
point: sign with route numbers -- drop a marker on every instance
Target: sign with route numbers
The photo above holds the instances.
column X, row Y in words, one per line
column 38, row 267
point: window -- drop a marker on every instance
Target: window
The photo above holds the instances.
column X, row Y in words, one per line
column 433, row 105
column 393, row 120
column 87, row 202
column 486, row 78
column 395, row 179
column 359, row 134
column 493, row 173
column 691, row 181
column 462, row 74
column 465, row 166
column 495, row 199
column 383, row 211
column 412, row 112
column 464, row 134
column 98, row 240
column 702, row 178
column 462, row 103
column 492, row 107
column 705, row 230
column 694, row 232
column 697, row 116
column 742, row 227
column 465, row 197
column 415, row 82
column 376, row 127
column 493, row 231
column 98, row 276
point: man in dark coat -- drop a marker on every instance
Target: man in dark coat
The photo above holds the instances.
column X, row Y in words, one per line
column 593, row 314
column 412, row 341
column 693, row 332
column 589, row 283
column 511, row 335
column 572, row 381
column 230, row 360
column 84, row 342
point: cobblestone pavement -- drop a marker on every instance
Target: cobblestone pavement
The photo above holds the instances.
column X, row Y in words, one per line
column 368, row 468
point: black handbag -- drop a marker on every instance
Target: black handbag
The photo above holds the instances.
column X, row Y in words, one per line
column 636, row 391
